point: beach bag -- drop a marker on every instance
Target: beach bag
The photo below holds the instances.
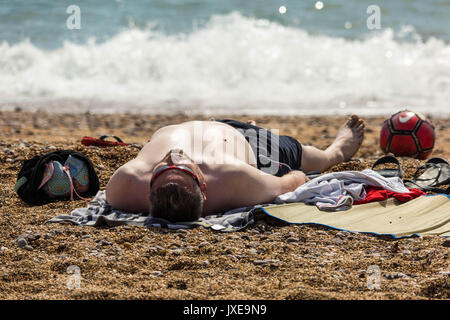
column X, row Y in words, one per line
column 56, row 175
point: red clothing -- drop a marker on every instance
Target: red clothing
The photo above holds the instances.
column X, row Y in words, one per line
column 378, row 194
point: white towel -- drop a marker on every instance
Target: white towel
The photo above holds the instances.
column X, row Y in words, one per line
column 336, row 191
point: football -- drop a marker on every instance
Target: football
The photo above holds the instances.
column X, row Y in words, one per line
column 407, row 134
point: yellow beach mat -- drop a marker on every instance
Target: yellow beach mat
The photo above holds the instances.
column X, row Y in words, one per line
column 425, row 215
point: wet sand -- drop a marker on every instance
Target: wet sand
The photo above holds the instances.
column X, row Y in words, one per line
column 299, row 262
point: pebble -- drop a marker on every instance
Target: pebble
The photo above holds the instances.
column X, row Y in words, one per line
column 228, row 250
column 395, row 248
column 152, row 250
column 48, row 235
column 252, row 251
column 104, row 243
column 21, row 242
column 341, row 235
column 406, row 252
column 395, row 275
column 376, row 254
column 292, row 239
column 86, row 236
column 266, row 262
column 156, row 274
column 205, row 263
column 338, row 240
column 29, row 237
column 338, row 276
column 204, row 244
column 28, row 247
column 177, row 252
column 446, row 243
column 3, row 249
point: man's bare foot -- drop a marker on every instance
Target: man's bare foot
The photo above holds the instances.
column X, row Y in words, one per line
column 348, row 140
column 252, row 122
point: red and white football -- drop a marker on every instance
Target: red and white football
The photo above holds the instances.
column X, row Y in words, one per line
column 408, row 134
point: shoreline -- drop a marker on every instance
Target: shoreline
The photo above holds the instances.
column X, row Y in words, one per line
column 174, row 107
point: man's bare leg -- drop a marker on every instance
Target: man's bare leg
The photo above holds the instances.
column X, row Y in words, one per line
column 347, row 142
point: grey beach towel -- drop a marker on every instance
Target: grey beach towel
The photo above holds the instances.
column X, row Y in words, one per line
column 100, row 213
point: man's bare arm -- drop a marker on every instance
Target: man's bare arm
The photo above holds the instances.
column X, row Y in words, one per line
column 252, row 186
column 128, row 189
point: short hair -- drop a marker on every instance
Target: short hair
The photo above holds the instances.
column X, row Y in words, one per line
column 174, row 203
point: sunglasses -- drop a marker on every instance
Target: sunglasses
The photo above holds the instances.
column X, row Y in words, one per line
column 162, row 169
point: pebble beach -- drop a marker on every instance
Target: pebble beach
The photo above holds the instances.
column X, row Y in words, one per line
column 264, row 261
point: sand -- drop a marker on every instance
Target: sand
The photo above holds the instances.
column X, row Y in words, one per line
column 299, row 262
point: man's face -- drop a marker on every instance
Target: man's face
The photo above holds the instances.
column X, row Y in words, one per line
column 180, row 177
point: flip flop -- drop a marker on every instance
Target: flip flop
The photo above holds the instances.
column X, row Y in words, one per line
column 101, row 142
column 388, row 172
column 431, row 175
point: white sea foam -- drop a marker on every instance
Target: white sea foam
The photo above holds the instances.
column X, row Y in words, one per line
column 235, row 64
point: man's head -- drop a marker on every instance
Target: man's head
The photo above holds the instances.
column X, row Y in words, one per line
column 177, row 188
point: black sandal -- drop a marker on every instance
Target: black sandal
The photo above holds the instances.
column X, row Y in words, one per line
column 431, row 175
column 388, row 172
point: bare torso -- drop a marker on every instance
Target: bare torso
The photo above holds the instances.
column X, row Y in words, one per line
column 215, row 147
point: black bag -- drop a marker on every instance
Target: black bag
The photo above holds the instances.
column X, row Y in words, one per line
column 32, row 171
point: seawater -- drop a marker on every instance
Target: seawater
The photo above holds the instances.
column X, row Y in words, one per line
column 227, row 56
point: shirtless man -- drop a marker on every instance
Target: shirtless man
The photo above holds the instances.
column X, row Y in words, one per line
column 198, row 168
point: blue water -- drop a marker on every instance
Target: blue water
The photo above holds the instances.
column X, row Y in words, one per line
column 44, row 22
column 229, row 55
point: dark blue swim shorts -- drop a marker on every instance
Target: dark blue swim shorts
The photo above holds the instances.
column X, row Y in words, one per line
column 275, row 155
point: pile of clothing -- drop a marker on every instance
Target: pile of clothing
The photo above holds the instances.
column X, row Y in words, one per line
column 340, row 190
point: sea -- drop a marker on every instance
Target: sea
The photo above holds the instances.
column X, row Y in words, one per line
column 262, row 57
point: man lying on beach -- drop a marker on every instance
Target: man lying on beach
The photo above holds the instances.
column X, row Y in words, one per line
column 198, row 168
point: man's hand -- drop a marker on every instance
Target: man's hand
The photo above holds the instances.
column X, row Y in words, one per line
column 294, row 179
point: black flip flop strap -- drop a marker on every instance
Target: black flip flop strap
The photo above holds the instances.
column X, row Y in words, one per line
column 426, row 188
column 386, row 159
column 437, row 161
column 425, row 167
column 107, row 136
column 389, row 159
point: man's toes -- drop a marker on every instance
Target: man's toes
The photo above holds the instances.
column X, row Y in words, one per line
column 353, row 120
